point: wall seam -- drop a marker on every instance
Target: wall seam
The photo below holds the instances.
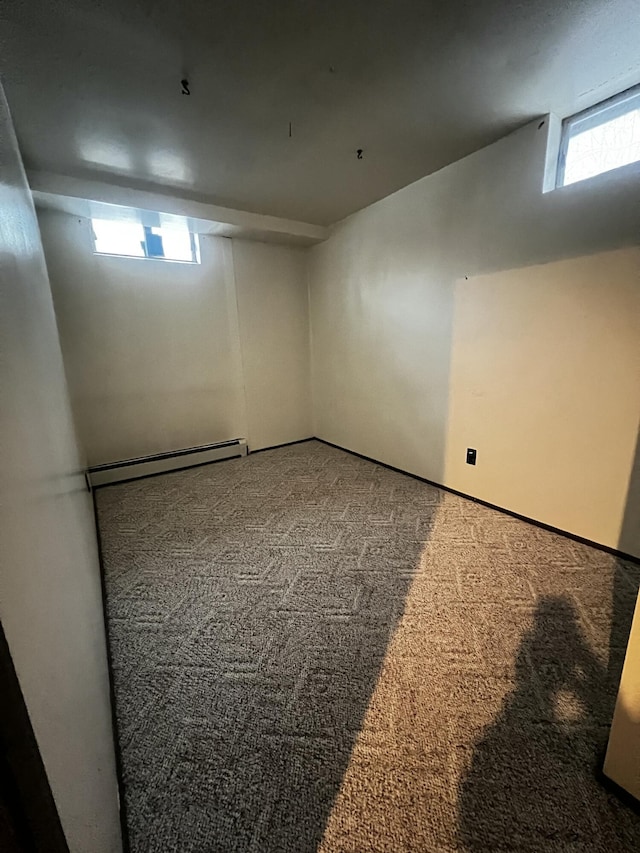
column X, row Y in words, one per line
column 234, row 317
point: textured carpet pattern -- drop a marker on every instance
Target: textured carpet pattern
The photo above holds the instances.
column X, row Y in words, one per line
column 313, row 652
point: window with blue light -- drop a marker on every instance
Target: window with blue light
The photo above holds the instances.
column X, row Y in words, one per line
column 169, row 241
column 600, row 139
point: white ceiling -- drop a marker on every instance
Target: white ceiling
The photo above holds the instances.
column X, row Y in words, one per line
column 94, row 87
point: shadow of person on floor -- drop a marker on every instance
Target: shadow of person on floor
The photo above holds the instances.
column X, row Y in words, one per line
column 532, row 783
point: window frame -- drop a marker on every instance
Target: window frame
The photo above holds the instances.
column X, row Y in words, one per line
column 613, row 107
column 193, row 241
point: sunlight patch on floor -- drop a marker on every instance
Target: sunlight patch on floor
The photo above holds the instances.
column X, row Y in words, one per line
column 400, row 789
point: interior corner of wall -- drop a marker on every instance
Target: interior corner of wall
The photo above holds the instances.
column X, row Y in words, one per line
column 310, row 372
column 233, row 308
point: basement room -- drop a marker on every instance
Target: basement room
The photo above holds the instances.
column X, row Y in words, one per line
column 320, row 426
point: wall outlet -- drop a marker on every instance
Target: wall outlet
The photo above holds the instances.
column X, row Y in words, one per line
column 471, row 456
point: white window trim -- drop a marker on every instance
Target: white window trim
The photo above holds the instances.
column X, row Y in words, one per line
column 613, row 107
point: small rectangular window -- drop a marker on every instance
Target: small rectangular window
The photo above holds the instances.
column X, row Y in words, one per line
column 170, row 241
column 602, row 138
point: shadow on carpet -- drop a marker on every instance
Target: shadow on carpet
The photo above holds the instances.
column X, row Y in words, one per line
column 534, row 781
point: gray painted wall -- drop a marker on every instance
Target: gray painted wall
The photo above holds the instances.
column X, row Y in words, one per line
column 50, row 597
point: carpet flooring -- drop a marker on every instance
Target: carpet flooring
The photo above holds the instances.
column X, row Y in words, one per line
column 313, row 652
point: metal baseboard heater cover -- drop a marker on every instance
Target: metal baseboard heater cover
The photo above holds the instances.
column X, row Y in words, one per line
column 160, row 463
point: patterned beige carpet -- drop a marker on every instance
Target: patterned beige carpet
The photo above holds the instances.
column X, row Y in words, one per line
column 314, row 652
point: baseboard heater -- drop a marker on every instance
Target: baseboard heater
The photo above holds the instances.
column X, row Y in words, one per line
column 144, row 466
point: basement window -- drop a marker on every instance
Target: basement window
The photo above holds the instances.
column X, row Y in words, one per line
column 170, row 240
column 602, row 138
